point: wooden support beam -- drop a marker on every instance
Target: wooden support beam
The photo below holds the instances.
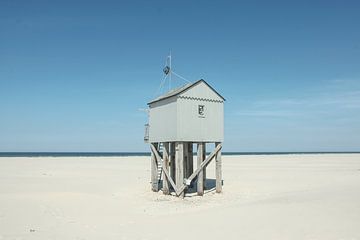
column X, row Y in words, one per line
column 186, row 159
column 206, row 162
column 203, row 164
column 154, row 168
column 200, row 179
column 180, row 186
column 157, row 156
column 165, row 165
column 172, row 161
column 179, row 156
column 204, row 170
column 190, row 162
column 170, row 180
column 218, row 170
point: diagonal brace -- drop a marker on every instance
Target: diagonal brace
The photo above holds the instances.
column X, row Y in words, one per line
column 194, row 174
column 158, row 158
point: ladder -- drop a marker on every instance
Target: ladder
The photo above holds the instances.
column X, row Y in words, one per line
column 160, row 163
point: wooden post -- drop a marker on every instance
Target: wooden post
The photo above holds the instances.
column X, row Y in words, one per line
column 200, row 179
column 204, row 171
column 218, row 170
column 167, row 174
column 172, row 161
column 197, row 171
column 179, row 156
column 166, row 166
column 186, row 159
column 190, row 162
column 154, row 169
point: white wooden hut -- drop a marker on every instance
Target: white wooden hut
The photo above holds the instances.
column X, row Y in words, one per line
column 192, row 114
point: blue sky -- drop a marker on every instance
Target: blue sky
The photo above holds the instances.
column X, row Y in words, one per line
column 73, row 74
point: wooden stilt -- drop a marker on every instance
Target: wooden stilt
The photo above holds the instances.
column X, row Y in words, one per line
column 190, row 162
column 154, row 169
column 198, row 170
column 179, row 156
column 172, row 161
column 166, row 166
column 167, row 174
column 204, row 171
column 218, row 170
column 186, row 159
column 200, row 179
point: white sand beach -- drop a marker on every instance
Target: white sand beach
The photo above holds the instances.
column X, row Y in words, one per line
column 264, row 197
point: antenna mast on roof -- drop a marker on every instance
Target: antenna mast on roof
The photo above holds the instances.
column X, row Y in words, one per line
column 169, row 72
column 167, row 69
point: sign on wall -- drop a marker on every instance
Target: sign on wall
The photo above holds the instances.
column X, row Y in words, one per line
column 201, row 111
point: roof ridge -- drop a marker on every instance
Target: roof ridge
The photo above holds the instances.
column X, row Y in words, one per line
column 182, row 89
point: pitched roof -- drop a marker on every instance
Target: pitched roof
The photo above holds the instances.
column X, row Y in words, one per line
column 182, row 89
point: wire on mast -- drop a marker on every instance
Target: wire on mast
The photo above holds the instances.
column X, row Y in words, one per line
column 168, row 74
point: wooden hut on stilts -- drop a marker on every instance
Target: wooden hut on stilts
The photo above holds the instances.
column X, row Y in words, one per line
column 192, row 115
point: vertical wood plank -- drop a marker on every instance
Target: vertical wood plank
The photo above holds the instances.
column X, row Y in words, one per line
column 190, row 159
column 204, row 171
column 186, row 159
column 166, row 166
column 218, row 170
column 200, row 179
column 179, row 156
column 154, row 168
column 172, row 161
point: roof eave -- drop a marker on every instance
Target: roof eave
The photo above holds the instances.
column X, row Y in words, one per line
column 190, row 86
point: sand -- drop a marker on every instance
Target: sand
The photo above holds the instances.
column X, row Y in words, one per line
column 264, row 197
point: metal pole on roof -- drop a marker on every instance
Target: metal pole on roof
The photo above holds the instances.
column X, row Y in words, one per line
column 170, row 71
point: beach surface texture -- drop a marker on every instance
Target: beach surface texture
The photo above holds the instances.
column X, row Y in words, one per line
column 304, row 196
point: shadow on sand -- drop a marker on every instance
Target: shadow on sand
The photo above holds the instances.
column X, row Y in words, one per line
column 210, row 185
